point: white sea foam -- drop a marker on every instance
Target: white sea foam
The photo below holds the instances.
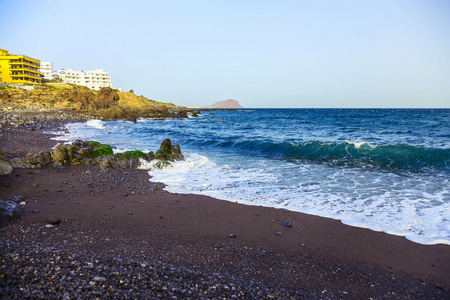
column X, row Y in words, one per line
column 85, row 131
column 320, row 190
column 359, row 144
column 96, row 124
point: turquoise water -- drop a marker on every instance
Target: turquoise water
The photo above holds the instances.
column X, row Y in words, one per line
column 386, row 169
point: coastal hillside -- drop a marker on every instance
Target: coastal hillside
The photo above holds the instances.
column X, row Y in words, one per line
column 230, row 103
column 106, row 103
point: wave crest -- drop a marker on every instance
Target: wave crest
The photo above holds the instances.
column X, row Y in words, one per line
column 353, row 154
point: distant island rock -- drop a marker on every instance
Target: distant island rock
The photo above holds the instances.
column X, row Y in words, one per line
column 230, row 103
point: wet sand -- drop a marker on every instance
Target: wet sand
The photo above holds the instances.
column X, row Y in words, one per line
column 120, row 227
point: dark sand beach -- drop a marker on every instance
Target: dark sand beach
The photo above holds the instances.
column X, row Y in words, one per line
column 122, row 236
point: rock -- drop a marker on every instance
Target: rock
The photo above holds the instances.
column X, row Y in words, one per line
column 99, row 279
column 161, row 164
column 166, row 144
column 5, row 166
column 278, row 233
column 60, row 156
column 287, row 224
column 134, row 163
column 90, row 153
column 109, row 164
column 54, row 221
column 86, row 152
column 72, row 150
column 18, row 199
column 45, row 158
column 9, row 210
column 106, row 98
column 18, row 163
column 37, row 160
column 169, row 152
column 78, row 160
column 176, row 150
column 232, row 235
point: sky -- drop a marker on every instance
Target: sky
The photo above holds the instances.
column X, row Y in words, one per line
column 262, row 53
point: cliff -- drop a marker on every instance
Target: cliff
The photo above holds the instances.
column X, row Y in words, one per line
column 106, row 103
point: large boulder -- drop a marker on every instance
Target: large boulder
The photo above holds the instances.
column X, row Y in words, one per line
column 170, row 152
column 61, row 156
column 38, row 160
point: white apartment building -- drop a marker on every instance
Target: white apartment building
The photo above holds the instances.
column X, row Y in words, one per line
column 92, row 79
column 46, row 69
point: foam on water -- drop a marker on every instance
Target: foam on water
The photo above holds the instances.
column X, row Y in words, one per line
column 85, row 131
column 406, row 210
column 96, row 124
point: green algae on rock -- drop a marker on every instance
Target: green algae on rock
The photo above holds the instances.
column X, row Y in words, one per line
column 96, row 154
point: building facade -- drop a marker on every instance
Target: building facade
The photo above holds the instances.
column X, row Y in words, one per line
column 19, row 70
column 95, row 80
column 47, row 70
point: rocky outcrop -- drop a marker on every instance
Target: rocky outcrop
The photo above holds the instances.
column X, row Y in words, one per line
column 169, row 152
column 35, row 118
column 32, row 160
column 94, row 154
column 107, row 103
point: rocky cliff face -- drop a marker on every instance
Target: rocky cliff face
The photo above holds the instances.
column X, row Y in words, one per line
column 230, row 103
column 107, row 103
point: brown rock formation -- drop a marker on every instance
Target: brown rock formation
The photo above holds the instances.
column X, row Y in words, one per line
column 107, row 103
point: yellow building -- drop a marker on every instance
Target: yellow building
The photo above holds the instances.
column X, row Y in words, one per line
column 19, row 70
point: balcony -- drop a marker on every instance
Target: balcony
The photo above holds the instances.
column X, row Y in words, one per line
column 23, row 61
column 25, row 74
column 21, row 67
column 25, row 79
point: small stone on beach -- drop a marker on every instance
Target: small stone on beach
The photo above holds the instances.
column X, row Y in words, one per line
column 53, row 221
column 287, row 224
column 99, row 279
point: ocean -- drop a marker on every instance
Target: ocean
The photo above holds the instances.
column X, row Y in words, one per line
column 383, row 169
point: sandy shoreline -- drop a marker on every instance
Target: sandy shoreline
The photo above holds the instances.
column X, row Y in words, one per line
column 122, row 214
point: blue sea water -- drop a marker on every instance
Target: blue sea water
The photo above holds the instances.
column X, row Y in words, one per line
column 383, row 169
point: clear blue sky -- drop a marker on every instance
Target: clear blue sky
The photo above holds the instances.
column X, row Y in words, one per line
column 287, row 53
